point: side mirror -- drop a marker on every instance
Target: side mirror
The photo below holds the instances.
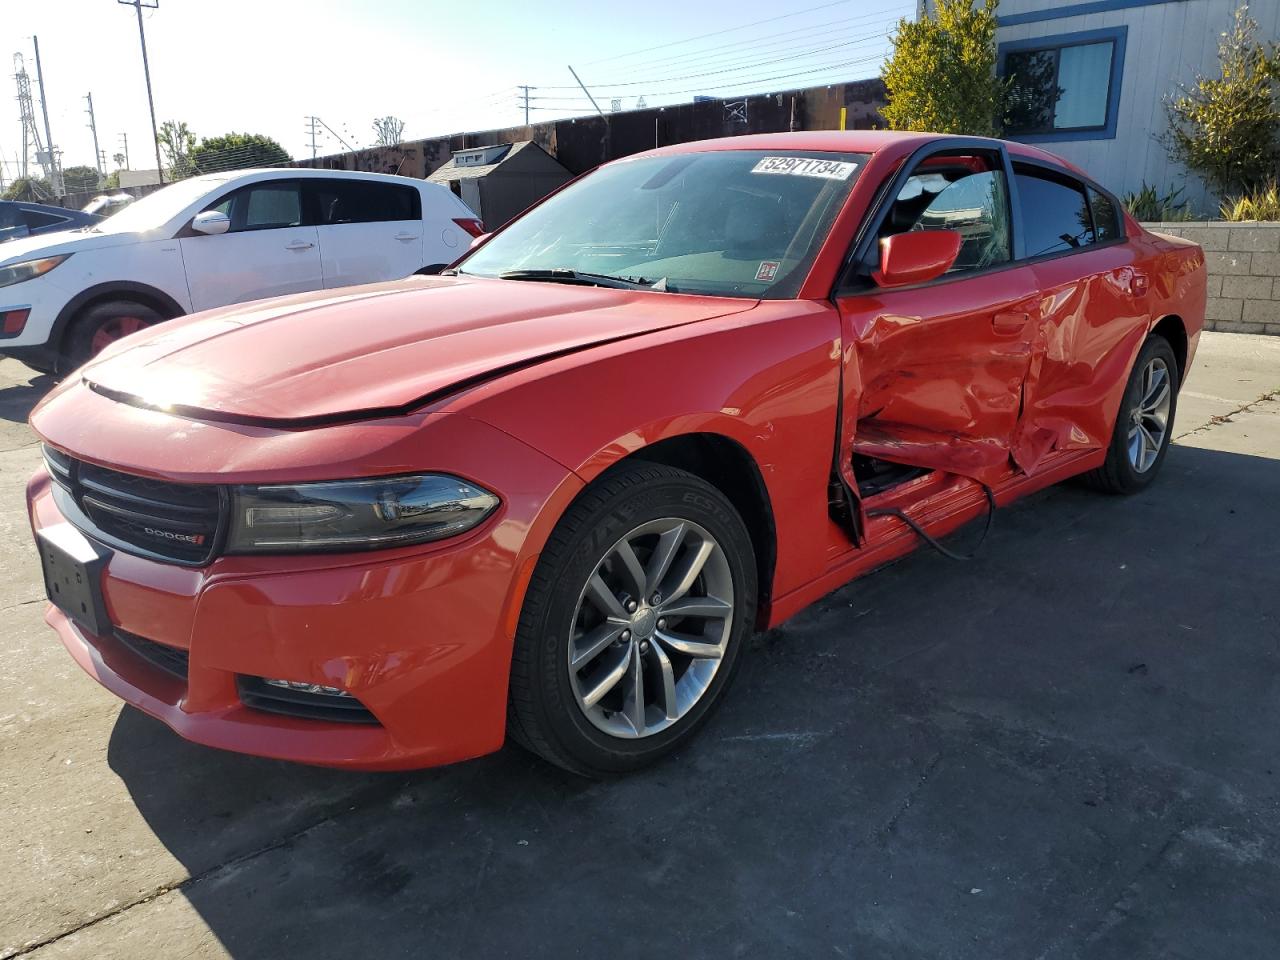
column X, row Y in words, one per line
column 211, row 223
column 479, row 240
column 916, row 257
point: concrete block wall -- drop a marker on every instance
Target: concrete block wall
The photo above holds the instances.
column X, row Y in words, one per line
column 1244, row 272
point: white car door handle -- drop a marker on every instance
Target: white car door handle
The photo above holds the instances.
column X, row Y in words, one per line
column 406, row 236
column 299, row 245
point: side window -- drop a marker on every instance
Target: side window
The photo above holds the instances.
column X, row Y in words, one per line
column 1107, row 222
column 271, row 206
column 1055, row 215
column 356, row 201
column 35, row 219
column 959, row 195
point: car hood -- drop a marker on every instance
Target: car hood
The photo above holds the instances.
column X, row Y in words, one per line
column 376, row 350
column 72, row 240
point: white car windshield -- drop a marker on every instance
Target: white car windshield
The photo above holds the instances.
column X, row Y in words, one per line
column 735, row 223
column 158, row 208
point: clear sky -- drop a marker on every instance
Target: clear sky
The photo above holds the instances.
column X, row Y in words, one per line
column 262, row 66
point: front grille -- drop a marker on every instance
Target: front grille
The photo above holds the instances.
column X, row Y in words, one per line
column 169, row 659
column 255, row 692
column 174, row 521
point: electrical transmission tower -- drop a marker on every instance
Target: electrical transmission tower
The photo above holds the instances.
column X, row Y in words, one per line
column 31, row 138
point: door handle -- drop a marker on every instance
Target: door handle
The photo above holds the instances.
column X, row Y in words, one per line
column 1010, row 322
column 299, row 245
column 406, row 236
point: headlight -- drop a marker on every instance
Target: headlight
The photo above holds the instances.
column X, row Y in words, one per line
column 354, row 514
column 28, row 269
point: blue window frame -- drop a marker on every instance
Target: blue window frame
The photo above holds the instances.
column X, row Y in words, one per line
column 1066, row 87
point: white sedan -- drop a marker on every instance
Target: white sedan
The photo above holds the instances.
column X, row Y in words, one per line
column 219, row 239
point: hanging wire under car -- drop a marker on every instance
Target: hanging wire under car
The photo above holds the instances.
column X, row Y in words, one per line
column 919, row 530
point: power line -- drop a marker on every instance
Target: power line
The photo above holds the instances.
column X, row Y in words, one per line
column 771, row 39
column 718, row 33
column 738, row 68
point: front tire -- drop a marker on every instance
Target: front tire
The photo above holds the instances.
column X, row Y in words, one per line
column 634, row 621
column 102, row 325
column 1144, row 425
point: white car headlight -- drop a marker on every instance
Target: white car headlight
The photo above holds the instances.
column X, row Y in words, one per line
column 29, row 269
column 354, row 514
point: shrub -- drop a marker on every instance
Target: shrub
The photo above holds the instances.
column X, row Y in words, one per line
column 941, row 76
column 1261, row 204
column 1227, row 129
column 1146, row 204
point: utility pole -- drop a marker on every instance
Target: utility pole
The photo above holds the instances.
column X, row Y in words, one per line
column 526, row 88
column 312, row 129
column 146, row 70
column 124, row 139
column 55, row 174
column 93, row 127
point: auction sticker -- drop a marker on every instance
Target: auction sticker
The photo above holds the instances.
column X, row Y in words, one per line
column 768, row 271
column 806, row 167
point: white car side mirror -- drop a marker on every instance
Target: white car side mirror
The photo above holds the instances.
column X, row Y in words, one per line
column 211, row 222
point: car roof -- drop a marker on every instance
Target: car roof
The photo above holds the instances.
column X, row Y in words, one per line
column 304, row 173
column 849, row 141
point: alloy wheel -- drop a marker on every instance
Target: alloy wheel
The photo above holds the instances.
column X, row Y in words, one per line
column 651, row 628
column 1149, row 421
column 113, row 330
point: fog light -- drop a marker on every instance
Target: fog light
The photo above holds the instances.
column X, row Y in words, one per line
column 307, row 687
column 13, row 322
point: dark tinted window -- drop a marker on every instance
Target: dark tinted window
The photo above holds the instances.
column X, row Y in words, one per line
column 35, row 219
column 1055, row 214
column 354, row 201
column 1107, row 222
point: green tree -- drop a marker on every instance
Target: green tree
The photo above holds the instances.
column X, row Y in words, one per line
column 1226, row 129
column 236, row 151
column 80, row 179
column 941, row 76
column 177, row 141
column 29, row 189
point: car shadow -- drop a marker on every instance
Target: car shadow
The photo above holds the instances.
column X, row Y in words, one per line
column 18, row 399
column 941, row 759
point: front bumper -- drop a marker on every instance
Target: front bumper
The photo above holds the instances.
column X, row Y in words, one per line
column 421, row 637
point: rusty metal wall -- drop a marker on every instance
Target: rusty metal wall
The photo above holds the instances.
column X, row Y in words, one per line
column 586, row 142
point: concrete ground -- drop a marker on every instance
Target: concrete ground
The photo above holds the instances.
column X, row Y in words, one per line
column 1067, row 748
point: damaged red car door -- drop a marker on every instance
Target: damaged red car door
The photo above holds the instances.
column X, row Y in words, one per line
column 935, row 368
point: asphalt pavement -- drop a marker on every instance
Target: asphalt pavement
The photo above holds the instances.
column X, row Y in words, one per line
column 1065, row 748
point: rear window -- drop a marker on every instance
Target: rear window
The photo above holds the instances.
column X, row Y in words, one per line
column 1054, row 213
column 1107, row 222
column 355, row 201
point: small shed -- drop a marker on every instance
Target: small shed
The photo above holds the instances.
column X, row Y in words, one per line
column 499, row 181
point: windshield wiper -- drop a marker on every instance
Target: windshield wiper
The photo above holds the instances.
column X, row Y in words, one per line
column 565, row 275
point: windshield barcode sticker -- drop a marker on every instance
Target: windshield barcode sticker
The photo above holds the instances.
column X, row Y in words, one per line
column 806, row 167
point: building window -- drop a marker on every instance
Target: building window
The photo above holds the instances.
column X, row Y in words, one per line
column 1066, row 87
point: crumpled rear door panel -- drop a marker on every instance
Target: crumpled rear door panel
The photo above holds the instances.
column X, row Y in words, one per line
column 1093, row 317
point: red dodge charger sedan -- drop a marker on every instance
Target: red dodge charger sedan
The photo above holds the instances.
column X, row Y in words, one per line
column 551, row 492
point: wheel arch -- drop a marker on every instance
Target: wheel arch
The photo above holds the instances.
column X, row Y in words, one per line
column 729, row 467
column 1174, row 330
column 143, row 293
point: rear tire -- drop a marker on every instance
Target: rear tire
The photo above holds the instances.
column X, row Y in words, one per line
column 1144, row 425
column 669, row 669
column 101, row 325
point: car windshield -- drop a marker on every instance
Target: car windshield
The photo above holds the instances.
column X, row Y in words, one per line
column 744, row 223
column 159, row 207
